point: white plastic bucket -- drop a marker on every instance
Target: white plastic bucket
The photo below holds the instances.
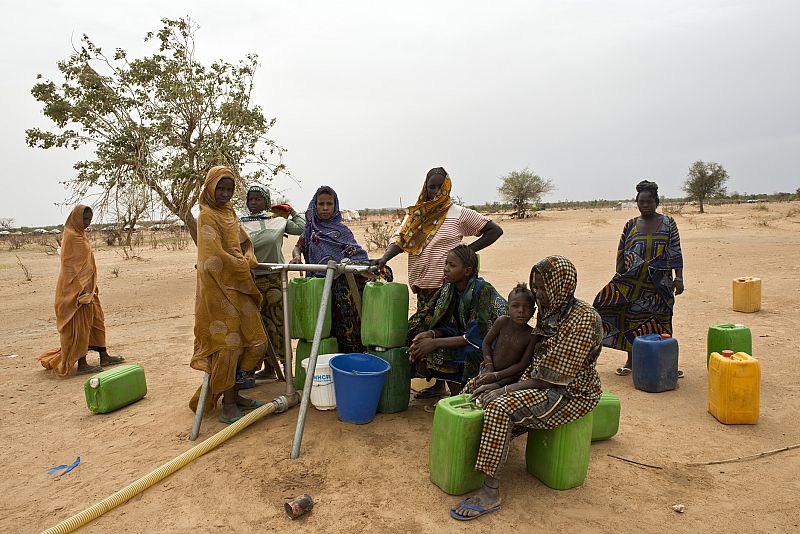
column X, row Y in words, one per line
column 323, row 396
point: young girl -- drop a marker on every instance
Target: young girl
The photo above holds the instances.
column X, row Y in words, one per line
column 512, row 340
column 465, row 309
column 229, row 338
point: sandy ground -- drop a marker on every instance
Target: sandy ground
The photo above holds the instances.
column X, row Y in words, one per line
column 374, row 478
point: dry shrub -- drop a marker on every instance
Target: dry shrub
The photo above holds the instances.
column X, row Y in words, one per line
column 793, row 212
column 673, row 209
column 26, row 271
column 597, row 220
column 115, row 272
column 378, row 234
column 17, row 241
column 761, row 207
column 762, row 222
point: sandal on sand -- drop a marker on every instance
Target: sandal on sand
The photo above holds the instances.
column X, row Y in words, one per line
column 229, row 420
column 90, row 370
column 430, row 408
column 251, row 404
column 432, row 393
column 623, row 371
column 481, row 511
column 112, row 360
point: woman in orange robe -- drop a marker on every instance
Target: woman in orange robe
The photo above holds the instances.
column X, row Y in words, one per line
column 79, row 316
column 229, row 338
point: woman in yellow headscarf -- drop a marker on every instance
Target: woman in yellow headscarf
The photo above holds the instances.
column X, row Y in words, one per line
column 229, row 338
column 79, row 317
column 433, row 227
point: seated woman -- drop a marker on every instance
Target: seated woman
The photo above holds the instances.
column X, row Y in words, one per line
column 466, row 307
column 560, row 386
column 79, row 316
column 325, row 238
column 229, row 338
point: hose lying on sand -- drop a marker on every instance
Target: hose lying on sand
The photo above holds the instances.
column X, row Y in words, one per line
column 280, row 404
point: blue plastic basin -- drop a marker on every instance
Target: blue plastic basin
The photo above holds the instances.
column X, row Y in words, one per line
column 358, row 381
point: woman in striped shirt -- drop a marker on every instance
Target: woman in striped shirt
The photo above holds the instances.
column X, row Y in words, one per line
column 431, row 228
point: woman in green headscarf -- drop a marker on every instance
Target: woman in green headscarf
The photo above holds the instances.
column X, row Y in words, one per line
column 267, row 225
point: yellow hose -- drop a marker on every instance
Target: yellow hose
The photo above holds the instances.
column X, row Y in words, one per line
column 135, row 488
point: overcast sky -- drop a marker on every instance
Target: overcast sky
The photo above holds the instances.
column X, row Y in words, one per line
column 369, row 95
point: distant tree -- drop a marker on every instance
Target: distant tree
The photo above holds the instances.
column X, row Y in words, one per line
column 6, row 223
column 705, row 180
column 159, row 121
column 797, row 194
column 521, row 188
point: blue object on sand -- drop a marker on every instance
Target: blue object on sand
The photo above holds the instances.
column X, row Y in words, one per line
column 67, row 468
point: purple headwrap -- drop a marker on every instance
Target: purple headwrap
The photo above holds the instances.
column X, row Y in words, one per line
column 331, row 239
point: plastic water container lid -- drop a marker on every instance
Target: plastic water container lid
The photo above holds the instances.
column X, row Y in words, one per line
column 665, row 336
column 94, row 382
column 727, row 353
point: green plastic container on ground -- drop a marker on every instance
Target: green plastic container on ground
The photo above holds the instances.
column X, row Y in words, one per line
column 385, row 310
column 327, row 345
column 605, row 417
column 305, row 295
column 115, row 388
column 559, row 457
column 455, row 438
column 735, row 337
column 397, row 388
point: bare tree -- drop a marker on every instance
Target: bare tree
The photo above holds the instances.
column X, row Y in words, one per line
column 6, row 223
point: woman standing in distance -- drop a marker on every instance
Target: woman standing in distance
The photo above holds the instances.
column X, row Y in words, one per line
column 79, row 316
column 640, row 298
column 431, row 228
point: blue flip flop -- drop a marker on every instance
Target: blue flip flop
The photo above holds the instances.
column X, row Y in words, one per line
column 481, row 511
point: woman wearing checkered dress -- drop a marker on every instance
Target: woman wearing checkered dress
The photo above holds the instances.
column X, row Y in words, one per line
column 560, row 386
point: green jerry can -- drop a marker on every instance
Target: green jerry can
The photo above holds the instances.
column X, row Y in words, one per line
column 734, row 337
column 327, row 345
column 385, row 309
column 397, row 388
column 559, row 457
column 455, row 438
column 305, row 296
column 605, row 417
column 115, row 388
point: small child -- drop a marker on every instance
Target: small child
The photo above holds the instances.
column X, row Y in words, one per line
column 512, row 338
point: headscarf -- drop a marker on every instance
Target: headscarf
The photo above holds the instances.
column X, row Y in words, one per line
column 329, row 239
column 572, row 330
column 78, row 269
column 75, row 290
column 227, row 301
column 265, row 214
column 426, row 216
column 646, row 185
column 560, row 280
